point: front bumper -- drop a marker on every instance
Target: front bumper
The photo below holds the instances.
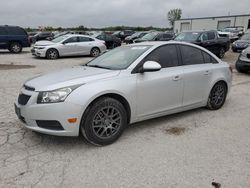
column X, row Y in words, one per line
column 243, row 62
column 38, row 52
column 32, row 113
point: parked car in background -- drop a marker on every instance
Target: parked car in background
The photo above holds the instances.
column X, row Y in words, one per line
column 161, row 78
column 13, row 38
column 242, row 43
column 243, row 63
column 155, row 36
column 111, row 41
column 231, row 33
column 207, row 39
column 42, row 36
column 137, row 35
column 123, row 34
column 33, row 33
column 69, row 45
column 239, row 29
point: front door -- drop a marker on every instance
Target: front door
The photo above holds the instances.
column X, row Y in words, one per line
column 161, row 91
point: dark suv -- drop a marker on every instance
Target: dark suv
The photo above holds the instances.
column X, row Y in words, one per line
column 13, row 38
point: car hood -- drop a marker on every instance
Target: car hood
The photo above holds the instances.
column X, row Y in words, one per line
column 69, row 77
column 44, row 43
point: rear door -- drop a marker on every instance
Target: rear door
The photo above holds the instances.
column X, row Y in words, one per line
column 3, row 38
column 85, row 45
column 161, row 91
column 196, row 76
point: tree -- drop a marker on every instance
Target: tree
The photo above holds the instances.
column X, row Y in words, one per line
column 174, row 14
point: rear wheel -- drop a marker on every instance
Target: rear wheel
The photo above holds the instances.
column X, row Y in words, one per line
column 52, row 54
column 95, row 52
column 221, row 53
column 104, row 121
column 15, row 47
column 217, row 96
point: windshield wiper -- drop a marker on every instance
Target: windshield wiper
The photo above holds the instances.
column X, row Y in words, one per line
column 98, row 66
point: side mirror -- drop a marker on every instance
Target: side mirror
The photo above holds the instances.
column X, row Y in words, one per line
column 150, row 66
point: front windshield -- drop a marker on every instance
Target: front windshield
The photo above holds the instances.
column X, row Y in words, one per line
column 59, row 39
column 187, row 36
column 119, row 58
column 136, row 34
column 245, row 37
column 149, row 36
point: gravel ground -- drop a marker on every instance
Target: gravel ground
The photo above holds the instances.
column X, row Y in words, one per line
column 190, row 149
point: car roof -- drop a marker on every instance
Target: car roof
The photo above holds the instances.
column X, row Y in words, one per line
column 77, row 35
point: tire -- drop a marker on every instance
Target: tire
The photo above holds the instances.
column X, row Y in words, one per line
column 15, row 47
column 104, row 121
column 95, row 52
column 52, row 54
column 221, row 53
column 241, row 69
column 217, row 96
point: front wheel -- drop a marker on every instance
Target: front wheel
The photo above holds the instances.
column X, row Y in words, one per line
column 217, row 96
column 104, row 121
column 15, row 47
column 52, row 54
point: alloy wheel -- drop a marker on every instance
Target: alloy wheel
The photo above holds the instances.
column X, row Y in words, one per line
column 107, row 122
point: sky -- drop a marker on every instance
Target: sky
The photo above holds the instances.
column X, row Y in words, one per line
column 102, row 13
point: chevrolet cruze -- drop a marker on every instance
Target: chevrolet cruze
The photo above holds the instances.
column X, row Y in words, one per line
column 123, row 86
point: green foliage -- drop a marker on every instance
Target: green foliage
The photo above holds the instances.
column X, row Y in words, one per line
column 174, row 14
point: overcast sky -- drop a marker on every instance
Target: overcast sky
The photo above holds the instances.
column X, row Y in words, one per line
column 101, row 13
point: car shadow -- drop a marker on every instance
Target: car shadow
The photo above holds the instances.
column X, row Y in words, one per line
column 131, row 130
column 9, row 53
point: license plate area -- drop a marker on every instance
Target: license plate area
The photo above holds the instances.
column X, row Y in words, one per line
column 18, row 113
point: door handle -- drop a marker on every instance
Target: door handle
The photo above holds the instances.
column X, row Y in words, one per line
column 176, row 78
column 207, row 72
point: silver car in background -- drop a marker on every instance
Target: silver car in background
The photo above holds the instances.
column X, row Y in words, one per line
column 69, row 45
column 123, row 86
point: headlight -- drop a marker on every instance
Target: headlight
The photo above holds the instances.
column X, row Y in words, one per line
column 40, row 48
column 55, row 96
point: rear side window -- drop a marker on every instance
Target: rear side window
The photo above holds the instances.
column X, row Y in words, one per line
column 208, row 58
column 191, row 55
column 2, row 31
column 16, row 31
column 165, row 55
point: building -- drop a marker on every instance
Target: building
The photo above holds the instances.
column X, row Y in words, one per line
column 211, row 23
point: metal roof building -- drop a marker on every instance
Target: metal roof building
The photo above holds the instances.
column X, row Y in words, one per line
column 211, row 23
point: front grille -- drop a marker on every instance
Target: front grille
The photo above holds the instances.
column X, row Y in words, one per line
column 50, row 124
column 23, row 99
column 29, row 88
column 248, row 56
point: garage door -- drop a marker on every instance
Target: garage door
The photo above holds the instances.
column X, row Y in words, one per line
column 185, row 26
column 223, row 24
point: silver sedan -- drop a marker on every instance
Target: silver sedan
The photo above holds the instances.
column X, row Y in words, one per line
column 123, row 86
column 69, row 45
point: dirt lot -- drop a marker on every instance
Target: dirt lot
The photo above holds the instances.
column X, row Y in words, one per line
column 190, row 149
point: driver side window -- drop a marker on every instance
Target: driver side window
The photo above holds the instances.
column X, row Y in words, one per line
column 71, row 40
